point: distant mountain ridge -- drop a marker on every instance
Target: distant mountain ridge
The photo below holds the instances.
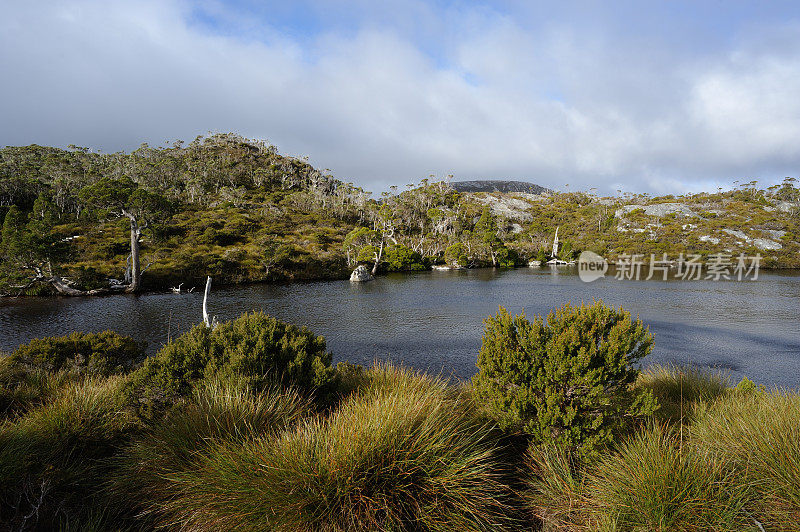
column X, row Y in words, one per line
column 490, row 185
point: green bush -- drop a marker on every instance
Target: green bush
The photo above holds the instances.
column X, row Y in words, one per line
column 258, row 347
column 91, row 354
column 456, row 255
column 568, row 379
column 412, row 458
column 401, row 258
column 757, row 435
column 36, row 371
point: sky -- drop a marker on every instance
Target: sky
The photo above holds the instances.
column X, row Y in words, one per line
column 658, row 97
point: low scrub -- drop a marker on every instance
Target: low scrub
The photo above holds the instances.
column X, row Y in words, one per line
column 567, row 379
column 413, row 458
column 260, row 348
column 34, row 373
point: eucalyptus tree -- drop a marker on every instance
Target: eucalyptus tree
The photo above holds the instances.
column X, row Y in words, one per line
column 122, row 198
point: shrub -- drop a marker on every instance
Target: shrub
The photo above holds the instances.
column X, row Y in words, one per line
column 456, row 255
column 255, row 346
column 150, row 471
column 655, row 483
column 413, row 458
column 678, row 388
column 758, row 437
column 51, row 460
column 568, row 379
column 35, row 372
column 92, row 354
column 402, row 258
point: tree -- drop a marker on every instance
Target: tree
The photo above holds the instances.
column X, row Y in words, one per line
column 567, row 379
column 30, row 248
column 124, row 198
column 487, row 230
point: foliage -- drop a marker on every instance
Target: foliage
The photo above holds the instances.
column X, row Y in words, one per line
column 401, row 258
column 679, row 388
column 757, row 436
column 260, row 348
column 416, row 457
column 36, row 371
column 456, row 255
column 150, row 471
column 568, row 379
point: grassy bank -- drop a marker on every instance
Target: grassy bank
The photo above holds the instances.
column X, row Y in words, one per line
column 248, row 427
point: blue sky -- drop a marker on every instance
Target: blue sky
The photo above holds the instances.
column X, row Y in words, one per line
column 660, row 97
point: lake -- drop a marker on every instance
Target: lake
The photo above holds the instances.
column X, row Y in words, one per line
column 434, row 320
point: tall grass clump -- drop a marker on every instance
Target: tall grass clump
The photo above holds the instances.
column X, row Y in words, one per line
column 151, row 470
column 555, row 491
column 758, row 435
column 415, row 456
column 51, row 459
column 653, row 482
column 263, row 349
column 678, row 388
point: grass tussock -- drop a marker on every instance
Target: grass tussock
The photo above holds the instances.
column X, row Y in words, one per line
column 556, row 493
column 678, row 388
column 52, row 458
column 654, row 482
column 154, row 467
column 411, row 457
column 758, row 436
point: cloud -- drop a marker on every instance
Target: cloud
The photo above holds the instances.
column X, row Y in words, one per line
column 495, row 95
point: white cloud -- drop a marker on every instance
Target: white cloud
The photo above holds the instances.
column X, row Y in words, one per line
column 553, row 105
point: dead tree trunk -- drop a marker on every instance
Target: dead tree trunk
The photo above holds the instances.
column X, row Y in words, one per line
column 135, row 267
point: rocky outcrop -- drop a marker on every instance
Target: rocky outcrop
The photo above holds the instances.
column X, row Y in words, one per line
column 361, row 275
column 658, row 209
column 764, row 244
column 507, row 207
column 498, row 186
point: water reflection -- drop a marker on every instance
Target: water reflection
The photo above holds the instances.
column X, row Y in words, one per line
column 433, row 320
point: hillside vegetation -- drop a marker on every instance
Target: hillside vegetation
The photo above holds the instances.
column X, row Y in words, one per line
column 77, row 222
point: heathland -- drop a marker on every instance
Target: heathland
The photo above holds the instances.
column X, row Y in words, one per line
column 77, row 221
column 248, row 426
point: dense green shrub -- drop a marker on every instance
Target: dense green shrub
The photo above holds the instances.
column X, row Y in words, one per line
column 258, row 347
column 36, row 371
column 456, row 255
column 401, row 258
column 92, row 354
column 412, row 458
column 568, row 379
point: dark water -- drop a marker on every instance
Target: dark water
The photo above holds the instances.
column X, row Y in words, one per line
column 433, row 320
